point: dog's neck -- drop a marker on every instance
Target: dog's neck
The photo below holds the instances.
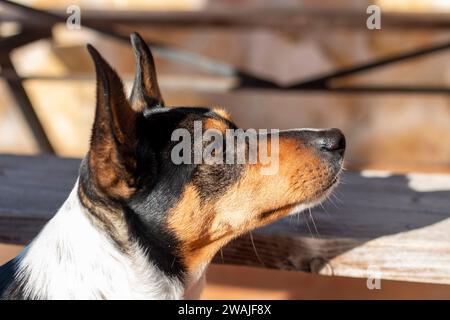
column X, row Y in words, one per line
column 72, row 259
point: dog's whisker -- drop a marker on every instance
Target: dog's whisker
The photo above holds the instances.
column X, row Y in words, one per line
column 314, row 224
column 324, row 209
column 338, row 193
column 307, row 224
column 337, row 198
column 326, row 212
column 256, row 252
column 331, row 201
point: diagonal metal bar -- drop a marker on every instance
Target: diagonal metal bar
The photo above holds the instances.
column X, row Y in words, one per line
column 322, row 81
column 10, row 43
column 20, row 95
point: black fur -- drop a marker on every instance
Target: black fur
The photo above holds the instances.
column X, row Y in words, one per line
column 9, row 287
column 161, row 183
column 145, row 86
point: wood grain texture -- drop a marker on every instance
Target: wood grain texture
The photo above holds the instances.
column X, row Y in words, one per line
column 397, row 225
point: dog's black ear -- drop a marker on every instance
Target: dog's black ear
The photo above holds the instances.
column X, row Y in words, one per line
column 114, row 131
column 145, row 92
column 114, row 117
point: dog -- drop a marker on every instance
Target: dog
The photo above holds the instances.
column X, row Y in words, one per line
column 138, row 226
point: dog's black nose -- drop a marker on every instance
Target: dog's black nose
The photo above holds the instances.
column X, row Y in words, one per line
column 329, row 141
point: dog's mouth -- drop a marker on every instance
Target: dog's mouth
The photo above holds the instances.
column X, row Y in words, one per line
column 318, row 197
column 296, row 207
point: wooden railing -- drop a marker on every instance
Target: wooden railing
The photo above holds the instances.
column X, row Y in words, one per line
column 394, row 226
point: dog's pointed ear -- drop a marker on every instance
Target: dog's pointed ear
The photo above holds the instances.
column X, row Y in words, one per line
column 114, row 117
column 114, row 130
column 145, row 92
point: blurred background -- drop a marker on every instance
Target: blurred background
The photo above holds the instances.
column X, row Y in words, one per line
column 395, row 116
column 277, row 41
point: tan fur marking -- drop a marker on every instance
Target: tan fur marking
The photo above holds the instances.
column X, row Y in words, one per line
column 215, row 124
column 203, row 228
column 191, row 222
column 108, row 167
column 223, row 113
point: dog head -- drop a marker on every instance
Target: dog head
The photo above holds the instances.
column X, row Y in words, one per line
column 183, row 212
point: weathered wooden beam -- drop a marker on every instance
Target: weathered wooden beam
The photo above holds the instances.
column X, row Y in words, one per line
column 394, row 225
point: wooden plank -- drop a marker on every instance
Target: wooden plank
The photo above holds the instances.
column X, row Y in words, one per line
column 395, row 224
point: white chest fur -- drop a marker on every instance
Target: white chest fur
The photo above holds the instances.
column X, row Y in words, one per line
column 71, row 259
